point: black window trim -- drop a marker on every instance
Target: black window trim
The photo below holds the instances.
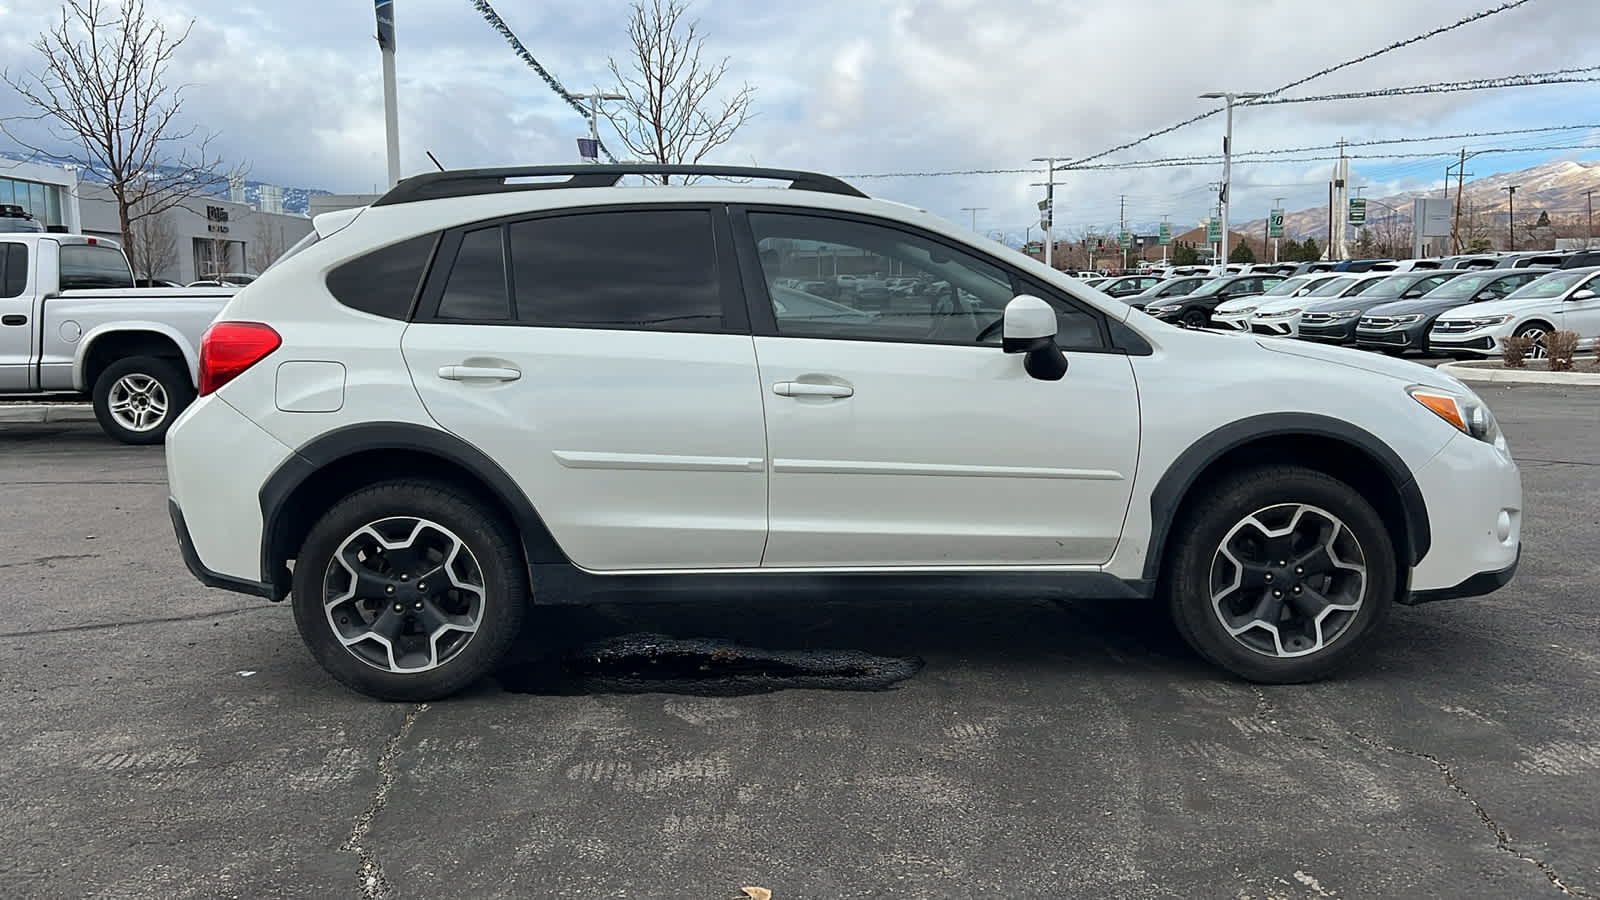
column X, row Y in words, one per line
column 764, row 322
column 735, row 315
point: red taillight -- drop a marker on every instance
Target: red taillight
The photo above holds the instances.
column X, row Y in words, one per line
column 229, row 348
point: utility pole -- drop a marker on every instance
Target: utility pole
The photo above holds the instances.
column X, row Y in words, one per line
column 1049, row 208
column 1511, row 216
column 1461, row 179
column 594, row 115
column 974, row 210
column 1227, row 159
column 1169, row 233
column 391, row 105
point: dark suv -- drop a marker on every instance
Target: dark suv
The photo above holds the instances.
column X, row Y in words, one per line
column 1403, row 325
column 1194, row 309
column 1334, row 321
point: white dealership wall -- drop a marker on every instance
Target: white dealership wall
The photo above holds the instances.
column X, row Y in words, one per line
column 60, row 206
column 202, row 226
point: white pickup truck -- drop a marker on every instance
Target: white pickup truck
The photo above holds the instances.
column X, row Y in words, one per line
column 72, row 325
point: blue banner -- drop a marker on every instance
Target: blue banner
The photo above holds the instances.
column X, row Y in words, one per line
column 385, row 10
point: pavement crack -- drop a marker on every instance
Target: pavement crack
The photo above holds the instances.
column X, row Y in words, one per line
column 1267, row 714
column 165, row 620
column 374, row 884
column 1502, row 837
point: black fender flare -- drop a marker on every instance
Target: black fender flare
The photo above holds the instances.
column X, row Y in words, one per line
column 538, row 543
column 1180, row 477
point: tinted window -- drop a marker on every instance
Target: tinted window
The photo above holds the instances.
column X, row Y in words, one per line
column 383, row 282
column 476, row 291
column 13, row 269
column 892, row 285
column 91, row 266
column 654, row 269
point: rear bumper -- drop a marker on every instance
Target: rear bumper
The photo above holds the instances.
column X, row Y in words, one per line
column 198, row 569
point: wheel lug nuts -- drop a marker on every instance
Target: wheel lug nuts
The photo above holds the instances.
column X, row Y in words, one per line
column 419, row 605
column 422, row 585
column 389, row 589
column 1269, row 576
column 399, row 608
column 1277, row 594
column 1297, row 589
column 1298, row 570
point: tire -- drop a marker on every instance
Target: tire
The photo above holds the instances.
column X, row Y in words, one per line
column 1197, row 577
column 438, row 654
column 1196, row 318
column 1537, row 331
column 136, row 400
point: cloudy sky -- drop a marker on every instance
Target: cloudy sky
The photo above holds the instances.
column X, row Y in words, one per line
column 878, row 86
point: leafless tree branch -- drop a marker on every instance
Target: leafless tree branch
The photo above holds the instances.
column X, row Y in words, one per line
column 672, row 113
column 102, row 88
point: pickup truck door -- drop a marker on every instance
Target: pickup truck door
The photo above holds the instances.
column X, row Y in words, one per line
column 17, row 327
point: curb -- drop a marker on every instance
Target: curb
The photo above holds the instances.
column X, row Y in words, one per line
column 1521, row 376
column 44, row 413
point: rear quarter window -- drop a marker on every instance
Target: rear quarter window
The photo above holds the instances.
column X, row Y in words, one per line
column 13, row 269
column 90, row 266
column 385, row 281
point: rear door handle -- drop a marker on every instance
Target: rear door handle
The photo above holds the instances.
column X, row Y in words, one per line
column 808, row 389
column 478, row 373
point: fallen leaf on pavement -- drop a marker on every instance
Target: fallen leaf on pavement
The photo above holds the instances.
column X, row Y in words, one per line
column 757, row 893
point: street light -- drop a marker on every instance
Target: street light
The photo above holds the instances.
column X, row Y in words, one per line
column 974, row 210
column 594, row 113
column 1227, row 157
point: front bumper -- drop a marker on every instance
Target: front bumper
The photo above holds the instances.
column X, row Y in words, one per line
column 1479, row 344
column 1287, row 326
column 1473, row 492
column 1337, row 332
column 1475, row 586
column 1235, row 321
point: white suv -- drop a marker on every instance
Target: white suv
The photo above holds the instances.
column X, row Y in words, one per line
column 481, row 380
column 1560, row 301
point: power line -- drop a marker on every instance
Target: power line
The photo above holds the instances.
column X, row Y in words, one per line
column 498, row 24
column 1513, row 4
column 1534, row 79
column 1179, row 163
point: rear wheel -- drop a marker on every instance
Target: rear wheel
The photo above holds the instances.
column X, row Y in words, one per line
column 1196, row 318
column 137, row 399
column 408, row 591
column 1282, row 574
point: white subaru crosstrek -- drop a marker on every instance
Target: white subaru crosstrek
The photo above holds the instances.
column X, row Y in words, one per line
column 1565, row 300
column 488, row 376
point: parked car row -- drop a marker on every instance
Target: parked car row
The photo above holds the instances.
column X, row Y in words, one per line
column 1457, row 306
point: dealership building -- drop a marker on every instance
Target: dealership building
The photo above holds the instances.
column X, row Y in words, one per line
column 190, row 242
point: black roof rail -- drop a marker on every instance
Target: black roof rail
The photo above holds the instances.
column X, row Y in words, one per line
column 471, row 182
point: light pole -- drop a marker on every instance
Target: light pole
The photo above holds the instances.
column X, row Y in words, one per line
column 1049, row 207
column 594, row 115
column 391, row 107
column 1589, row 242
column 1227, row 157
column 974, row 210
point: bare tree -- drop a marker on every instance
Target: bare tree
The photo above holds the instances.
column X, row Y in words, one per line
column 1475, row 229
column 267, row 245
column 103, row 88
column 154, row 247
column 670, row 112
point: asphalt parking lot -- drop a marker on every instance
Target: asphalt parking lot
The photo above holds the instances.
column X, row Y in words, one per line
column 165, row 740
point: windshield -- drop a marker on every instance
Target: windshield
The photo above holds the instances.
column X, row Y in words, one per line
column 1213, row 287
column 1549, row 286
column 1459, row 288
column 1333, row 287
column 1391, row 287
column 1365, row 287
column 1287, row 286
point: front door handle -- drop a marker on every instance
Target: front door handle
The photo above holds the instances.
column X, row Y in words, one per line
column 808, row 389
column 479, row 373
column 13, row 320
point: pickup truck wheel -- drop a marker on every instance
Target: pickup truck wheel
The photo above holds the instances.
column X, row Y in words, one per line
column 1282, row 574
column 408, row 591
column 137, row 399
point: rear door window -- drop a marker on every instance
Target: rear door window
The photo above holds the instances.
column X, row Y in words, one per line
column 13, row 269
column 89, row 266
column 476, row 290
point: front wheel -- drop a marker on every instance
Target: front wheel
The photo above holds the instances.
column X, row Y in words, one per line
column 1282, row 574
column 1196, row 318
column 408, row 591
column 1534, row 333
column 137, row 399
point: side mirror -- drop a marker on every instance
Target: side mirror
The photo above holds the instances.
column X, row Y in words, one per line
column 1486, row 295
column 1029, row 327
column 1411, row 294
column 1585, row 294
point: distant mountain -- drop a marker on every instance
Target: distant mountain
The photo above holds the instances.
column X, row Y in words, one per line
column 296, row 200
column 1556, row 188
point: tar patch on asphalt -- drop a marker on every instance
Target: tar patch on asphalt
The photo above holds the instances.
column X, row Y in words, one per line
column 653, row 663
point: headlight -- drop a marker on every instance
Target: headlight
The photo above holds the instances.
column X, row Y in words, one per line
column 1345, row 314
column 1490, row 320
column 1278, row 314
column 1162, row 309
column 1467, row 413
column 1406, row 320
column 1245, row 311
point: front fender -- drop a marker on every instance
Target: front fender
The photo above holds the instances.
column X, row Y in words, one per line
column 191, row 357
